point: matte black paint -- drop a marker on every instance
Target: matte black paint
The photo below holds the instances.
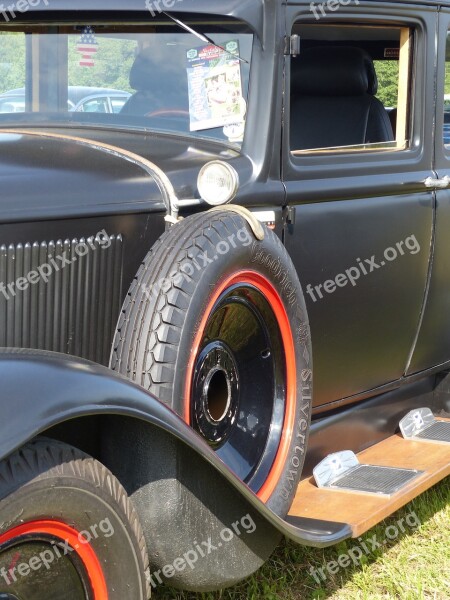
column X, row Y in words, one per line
column 433, row 345
column 361, row 334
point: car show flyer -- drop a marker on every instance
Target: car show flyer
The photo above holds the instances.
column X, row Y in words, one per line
column 215, row 86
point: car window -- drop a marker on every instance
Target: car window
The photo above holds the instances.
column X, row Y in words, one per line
column 349, row 89
column 159, row 77
column 95, row 105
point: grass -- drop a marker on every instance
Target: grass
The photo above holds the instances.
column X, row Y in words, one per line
column 413, row 566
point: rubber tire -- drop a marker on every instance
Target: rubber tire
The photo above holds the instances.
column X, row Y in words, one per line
column 49, row 480
column 156, row 330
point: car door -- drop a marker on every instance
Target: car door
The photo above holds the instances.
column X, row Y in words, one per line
column 433, row 345
column 360, row 218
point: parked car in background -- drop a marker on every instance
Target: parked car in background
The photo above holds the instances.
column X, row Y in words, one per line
column 80, row 99
column 12, row 101
column 103, row 101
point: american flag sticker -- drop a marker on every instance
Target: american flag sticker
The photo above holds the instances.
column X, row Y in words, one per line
column 87, row 46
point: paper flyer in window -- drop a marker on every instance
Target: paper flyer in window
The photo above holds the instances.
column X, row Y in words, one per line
column 215, row 86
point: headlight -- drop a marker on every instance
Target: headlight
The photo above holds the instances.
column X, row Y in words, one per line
column 218, row 183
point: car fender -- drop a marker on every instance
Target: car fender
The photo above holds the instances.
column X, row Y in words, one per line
column 40, row 390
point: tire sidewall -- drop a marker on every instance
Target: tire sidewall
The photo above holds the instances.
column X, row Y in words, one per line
column 269, row 259
column 88, row 510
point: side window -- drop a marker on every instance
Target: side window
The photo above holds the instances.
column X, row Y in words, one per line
column 447, row 94
column 12, row 72
column 350, row 89
column 97, row 105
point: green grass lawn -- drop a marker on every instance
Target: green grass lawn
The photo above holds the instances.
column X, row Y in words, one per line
column 415, row 565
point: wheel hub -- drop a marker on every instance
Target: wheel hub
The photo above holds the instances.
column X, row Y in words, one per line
column 216, row 392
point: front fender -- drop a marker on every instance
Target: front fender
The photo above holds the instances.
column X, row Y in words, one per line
column 42, row 389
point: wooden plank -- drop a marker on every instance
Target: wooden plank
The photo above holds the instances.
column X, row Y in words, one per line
column 404, row 88
column 363, row 511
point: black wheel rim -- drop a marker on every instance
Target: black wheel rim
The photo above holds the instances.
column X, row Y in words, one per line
column 238, row 387
column 59, row 575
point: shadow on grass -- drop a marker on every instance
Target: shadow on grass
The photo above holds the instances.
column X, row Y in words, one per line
column 288, row 573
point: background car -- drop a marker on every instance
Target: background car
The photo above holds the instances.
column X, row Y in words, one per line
column 99, row 100
column 12, row 102
column 80, row 99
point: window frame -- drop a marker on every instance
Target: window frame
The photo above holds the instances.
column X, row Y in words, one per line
column 401, row 140
column 33, row 83
column 422, row 21
column 442, row 149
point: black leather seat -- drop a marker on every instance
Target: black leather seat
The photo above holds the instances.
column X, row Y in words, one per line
column 159, row 87
column 333, row 99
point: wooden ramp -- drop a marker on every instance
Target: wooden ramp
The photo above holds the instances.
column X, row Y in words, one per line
column 362, row 510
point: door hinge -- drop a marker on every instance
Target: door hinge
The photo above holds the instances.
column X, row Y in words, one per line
column 292, row 45
column 290, row 215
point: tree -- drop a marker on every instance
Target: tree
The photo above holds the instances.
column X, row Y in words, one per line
column 388, row 74
column 113, row 61
column 12, row 61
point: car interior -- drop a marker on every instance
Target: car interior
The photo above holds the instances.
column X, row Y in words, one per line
column 344, row 87
column 333, row 99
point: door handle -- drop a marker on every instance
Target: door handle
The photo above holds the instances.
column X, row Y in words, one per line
column 432, row 182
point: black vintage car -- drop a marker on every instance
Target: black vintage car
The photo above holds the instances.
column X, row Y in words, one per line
column 273, row 195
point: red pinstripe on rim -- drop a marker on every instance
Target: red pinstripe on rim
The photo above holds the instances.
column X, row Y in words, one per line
column 63, row 532
column 271, row 295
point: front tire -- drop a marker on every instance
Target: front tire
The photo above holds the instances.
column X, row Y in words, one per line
column 67, row 528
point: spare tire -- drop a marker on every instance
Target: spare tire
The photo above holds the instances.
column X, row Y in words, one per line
column 215, row 326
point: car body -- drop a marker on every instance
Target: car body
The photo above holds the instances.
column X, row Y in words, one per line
column 244, row 219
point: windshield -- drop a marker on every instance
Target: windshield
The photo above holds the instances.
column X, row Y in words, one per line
column 157, row 77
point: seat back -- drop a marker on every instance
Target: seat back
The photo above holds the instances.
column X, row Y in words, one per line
column 159, row 86
column 333, row 99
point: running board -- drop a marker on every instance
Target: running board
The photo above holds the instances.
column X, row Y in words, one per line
column 426, row 465
column 343, row 471
column 422, row 425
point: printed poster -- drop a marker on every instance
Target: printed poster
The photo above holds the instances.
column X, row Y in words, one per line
column 215, row 86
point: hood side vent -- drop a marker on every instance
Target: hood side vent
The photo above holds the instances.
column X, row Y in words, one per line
column 63, row 296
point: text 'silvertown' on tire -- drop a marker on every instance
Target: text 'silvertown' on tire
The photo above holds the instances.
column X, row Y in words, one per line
column 67, row 529
column 215, row 326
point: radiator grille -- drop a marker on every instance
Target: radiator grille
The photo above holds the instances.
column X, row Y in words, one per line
column 70, row 304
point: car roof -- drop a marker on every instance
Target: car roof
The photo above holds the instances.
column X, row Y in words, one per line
column 249, row 11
